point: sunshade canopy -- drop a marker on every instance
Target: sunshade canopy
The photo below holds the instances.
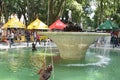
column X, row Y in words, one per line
column 57, row 25
column 108, row 25
column 37, row 24
column 13, row 23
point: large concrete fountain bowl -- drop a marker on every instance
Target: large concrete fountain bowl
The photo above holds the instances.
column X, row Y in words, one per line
column 73, row 45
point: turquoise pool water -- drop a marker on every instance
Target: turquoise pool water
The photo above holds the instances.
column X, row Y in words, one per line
column 23, row 64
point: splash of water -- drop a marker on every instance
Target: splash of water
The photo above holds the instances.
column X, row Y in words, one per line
column 103, row 56
column 103, row 61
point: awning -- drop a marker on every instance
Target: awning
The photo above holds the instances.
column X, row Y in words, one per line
column 57, row 25
column 13, row 23
column 37, row 24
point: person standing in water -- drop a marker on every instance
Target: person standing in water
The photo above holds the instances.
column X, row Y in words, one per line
column 34, row 47
column 45, row 72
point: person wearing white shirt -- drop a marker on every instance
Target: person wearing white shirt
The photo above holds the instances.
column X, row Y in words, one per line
column 12, row 37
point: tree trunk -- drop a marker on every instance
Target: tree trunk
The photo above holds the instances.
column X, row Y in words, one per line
column 101, row 11
column 55, row 10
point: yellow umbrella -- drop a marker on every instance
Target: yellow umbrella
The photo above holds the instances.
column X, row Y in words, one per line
column 13, row 23
column 37, row 24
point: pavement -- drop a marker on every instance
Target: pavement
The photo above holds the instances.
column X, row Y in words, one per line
column 108, row 46
column 4, row 45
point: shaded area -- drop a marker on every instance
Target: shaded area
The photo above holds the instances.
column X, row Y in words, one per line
column 73, row 27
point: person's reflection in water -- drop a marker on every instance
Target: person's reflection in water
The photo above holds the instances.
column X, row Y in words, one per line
column 45, row 72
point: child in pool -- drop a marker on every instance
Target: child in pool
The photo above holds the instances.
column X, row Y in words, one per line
column 34, row 47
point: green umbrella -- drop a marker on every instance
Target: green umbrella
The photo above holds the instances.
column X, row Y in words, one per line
column 108, row 25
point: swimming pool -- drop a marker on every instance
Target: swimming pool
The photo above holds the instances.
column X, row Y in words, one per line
column 23, row 64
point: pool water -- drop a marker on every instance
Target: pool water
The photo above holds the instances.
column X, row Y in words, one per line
column 23, row 64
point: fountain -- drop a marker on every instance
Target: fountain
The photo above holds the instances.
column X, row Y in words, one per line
column 23, row 64
column 73, row 45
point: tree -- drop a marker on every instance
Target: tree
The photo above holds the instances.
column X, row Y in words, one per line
column 105, row 9
column 76, row 9
column 55, row 8
column 50, row 10
column 32, row 9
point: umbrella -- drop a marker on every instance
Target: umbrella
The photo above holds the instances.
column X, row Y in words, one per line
column 37, row 24
column 13, row 23
column 108, row 25
column 57, row 25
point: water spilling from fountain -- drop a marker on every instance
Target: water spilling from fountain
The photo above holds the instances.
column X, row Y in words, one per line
column 102, row 57
column 97, row 65
column 73, row 45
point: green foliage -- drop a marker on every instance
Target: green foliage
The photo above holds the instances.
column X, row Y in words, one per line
column 76, row 9
column 116, row 19
column 106, row 9
column 56, row 8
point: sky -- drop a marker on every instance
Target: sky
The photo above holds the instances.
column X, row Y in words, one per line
column 93, row 7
